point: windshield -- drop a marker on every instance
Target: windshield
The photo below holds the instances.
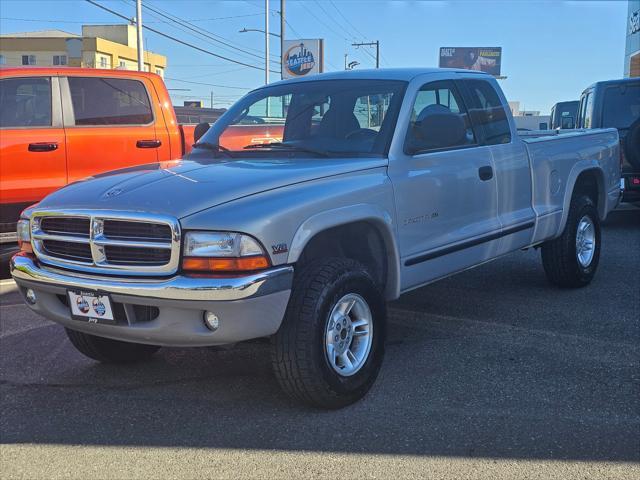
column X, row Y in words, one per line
column 325, row 117
column 621, row 106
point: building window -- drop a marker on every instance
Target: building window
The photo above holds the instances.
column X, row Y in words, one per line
column 158, row 71
column 123, row 64
column 103, row 62
column 2, row 60
column 28, row 59
column 59, row 59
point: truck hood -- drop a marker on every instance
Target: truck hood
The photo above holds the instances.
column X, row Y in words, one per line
column 190, row 186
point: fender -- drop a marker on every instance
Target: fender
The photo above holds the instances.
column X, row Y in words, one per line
column 581, row 167
column 373, row 214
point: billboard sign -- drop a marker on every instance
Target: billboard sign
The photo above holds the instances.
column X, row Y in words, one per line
column 193, row 103
column 483, row 59
column 301, row 58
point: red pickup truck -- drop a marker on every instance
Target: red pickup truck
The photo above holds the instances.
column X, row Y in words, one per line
column 58, row 125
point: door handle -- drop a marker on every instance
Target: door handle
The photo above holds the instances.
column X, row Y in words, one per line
column 43, row 146
column 148, row 143
column 485, row 173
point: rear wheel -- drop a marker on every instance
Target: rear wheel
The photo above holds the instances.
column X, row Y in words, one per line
column 329, row 348
column 106, row 350
column 571, row 260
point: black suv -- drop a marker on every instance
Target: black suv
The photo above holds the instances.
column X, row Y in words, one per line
column 616, row 104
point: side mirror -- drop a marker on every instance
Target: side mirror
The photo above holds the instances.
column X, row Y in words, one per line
column 438, row 130
column 199, row 131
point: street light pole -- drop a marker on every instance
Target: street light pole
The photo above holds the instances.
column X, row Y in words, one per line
column 266, row 41
column 282, row 17
column 139, row 28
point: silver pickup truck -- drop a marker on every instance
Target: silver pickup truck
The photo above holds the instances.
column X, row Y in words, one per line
column 329, row 196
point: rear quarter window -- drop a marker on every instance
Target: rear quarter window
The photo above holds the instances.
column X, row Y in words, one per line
column 109, row 101
column 487, row 112
column 621, row 106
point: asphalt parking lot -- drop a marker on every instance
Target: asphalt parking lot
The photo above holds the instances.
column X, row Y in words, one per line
column 489, row 374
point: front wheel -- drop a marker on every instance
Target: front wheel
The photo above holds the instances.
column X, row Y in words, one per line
column 571, row 260
column 329, row 348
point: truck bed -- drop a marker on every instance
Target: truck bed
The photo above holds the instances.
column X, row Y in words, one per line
column 552, row 159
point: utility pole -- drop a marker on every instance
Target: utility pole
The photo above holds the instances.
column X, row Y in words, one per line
column 282, row 28
column 345, row 61
column 266, row 41
column 211, row 104
column 371, row 44
column 139, row 29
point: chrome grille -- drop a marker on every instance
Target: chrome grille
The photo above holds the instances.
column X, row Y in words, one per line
column 125, row 255
column 68, row 250
column 65, row 226
column 107, row 242
column 123, row 230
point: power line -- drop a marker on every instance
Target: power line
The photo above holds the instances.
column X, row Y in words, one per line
column 207, row 84
column 335, row 22
column 347, row 20
column 101, row 22
column 323, row 22
column 178, row 40
column 199, row 30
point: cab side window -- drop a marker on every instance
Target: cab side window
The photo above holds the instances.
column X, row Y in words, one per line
column 487, row 112
column 438, row 120
column 25, row 102
column 109, row 101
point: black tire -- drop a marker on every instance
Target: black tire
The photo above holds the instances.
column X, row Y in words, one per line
column 298, row 350
column 106, row 350
column 560, row 256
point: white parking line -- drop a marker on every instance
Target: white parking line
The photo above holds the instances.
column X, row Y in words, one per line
column 8, row 286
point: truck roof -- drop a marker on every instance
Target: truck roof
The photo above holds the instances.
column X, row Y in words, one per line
column 87, row 72
column 619, row 81
column 405, row 74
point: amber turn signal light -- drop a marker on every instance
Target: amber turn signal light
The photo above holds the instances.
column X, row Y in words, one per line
column 225, row 265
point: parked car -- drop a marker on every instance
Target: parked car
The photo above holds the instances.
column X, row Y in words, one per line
column 564, row 115
column 616, row 104
column 59, row 125
column 384, row 181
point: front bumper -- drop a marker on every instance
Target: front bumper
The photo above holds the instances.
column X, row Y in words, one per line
column 249, row 306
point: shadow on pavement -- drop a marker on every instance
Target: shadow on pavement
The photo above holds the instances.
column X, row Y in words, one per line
column 491, row 363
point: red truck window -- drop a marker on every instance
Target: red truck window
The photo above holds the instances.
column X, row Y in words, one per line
column 25, row 102
column 109, row 101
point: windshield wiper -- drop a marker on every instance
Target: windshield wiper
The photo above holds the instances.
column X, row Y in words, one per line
column 214, row 147
column 287, row 147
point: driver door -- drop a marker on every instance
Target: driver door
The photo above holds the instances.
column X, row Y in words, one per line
column 446, row 196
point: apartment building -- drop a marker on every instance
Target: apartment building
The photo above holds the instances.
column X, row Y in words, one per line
column 99, row 46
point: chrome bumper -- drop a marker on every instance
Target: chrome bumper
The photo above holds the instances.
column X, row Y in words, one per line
column 248, row 306
column 25, row 269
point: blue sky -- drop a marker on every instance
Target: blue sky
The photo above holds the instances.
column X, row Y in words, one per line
column 551, row 49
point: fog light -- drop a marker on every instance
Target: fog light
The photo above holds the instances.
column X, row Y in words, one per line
column 30, row 297
column 211, row 320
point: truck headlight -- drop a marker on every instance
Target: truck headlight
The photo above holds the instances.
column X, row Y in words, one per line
column 24, row 235
column 222, row 252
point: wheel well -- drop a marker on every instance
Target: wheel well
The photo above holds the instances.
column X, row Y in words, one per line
column 588, row 183
column 360, row 241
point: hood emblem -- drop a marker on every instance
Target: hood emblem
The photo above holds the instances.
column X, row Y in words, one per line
column 114, row 192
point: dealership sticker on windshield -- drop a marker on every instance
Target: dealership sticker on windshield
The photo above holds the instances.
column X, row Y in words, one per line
column 91, row 307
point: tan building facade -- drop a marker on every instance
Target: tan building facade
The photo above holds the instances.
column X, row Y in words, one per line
column 99, row 46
